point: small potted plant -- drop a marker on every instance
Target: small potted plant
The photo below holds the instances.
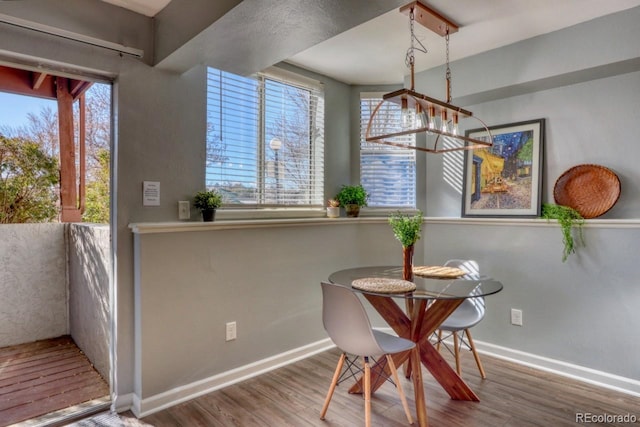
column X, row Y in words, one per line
column 207, row 201
column 352, row 197
column 568, row 218
column 333, row 208
column 407, row 229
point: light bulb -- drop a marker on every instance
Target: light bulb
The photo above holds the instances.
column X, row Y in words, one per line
column 406, row 115
column 432, row 117
column 421, row 118
column 454, row 124
column 443, row 121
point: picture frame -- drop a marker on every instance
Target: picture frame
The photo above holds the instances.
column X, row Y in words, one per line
column 505, row 180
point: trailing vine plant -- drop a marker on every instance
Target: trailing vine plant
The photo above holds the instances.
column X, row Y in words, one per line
column 568, row 218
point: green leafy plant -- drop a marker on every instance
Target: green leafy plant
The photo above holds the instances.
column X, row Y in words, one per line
column 568, row 218
column 28, row 177
column 207, row 199
column 406, row 228
column 352, row 195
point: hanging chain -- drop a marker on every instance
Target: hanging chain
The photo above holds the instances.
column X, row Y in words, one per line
column 410, row 58
column 447, row 74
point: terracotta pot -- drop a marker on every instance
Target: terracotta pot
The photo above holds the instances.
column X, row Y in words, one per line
column 352, row 210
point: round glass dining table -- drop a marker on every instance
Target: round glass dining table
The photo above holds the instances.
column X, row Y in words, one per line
column 433, row 300
column 429, row 288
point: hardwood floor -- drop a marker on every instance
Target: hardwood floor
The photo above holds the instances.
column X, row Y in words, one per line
column 512, row 395
column 45, row 376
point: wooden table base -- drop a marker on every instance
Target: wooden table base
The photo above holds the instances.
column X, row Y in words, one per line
column 423, row 322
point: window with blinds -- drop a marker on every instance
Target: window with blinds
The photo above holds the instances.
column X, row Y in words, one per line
column 265, row 139
column 387, row 173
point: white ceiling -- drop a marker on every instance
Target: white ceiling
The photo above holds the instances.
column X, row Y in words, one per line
column 144, row 7
column 374, row 52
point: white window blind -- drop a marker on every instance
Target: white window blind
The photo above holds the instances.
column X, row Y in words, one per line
column 265, row 140
column 387, row 173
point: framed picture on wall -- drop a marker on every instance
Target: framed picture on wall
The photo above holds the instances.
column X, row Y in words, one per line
column 505, row 180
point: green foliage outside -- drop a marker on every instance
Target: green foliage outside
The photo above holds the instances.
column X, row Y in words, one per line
column 567, row 218
column 352, row 195
column 97, row 192
column 406, row 228
column 28, row 179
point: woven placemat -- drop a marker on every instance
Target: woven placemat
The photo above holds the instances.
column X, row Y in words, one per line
column 384, row 285
column 590, row 189
column 438, row 271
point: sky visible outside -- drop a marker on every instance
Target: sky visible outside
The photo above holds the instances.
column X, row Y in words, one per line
column 14, row 108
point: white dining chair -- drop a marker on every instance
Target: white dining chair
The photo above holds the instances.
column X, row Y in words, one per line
column 346, row 321
column 467, row 315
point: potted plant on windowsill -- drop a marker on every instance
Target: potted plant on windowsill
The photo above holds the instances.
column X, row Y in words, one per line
column 352, row 197
column 207, row 201
column 333, row 208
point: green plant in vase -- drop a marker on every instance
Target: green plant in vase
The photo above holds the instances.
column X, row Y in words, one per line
column 568, row 218
column 408, row 230
column 207, row 201
column 352, row 197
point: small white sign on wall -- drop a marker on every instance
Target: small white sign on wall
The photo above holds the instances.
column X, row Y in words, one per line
column 150, row 193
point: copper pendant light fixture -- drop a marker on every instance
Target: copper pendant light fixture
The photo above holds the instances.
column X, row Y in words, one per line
column 421, row 113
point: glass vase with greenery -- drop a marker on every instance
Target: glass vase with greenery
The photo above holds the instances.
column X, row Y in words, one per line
column 408, row 230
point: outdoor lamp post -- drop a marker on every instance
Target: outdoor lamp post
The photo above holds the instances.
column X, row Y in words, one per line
column 275, row 144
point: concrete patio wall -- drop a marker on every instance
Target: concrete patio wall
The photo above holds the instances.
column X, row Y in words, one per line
column 89, row 267
column 33, row 285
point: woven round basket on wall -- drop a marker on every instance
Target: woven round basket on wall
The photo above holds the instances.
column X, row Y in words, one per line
column 589, row 189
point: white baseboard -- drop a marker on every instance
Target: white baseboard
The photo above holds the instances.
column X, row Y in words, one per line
column 122, row 402
column 580, row 373
column 149, row 405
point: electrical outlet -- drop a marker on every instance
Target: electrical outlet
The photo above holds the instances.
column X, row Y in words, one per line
column 231, row 331
column 183, row 210
column 516, row 317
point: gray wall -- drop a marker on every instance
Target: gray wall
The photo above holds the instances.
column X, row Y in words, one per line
column 264, row 277
column 33, row 285
column 584, row 81
column 89, row 296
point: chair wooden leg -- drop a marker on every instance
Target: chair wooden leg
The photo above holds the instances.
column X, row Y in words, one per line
column 475, row 354
column 367, row 393
column 332, row 387
column 439, row 339
column 456, row 352
column 403, row 399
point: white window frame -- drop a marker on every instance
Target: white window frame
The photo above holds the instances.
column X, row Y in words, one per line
column 315, row 173
column 372, row 149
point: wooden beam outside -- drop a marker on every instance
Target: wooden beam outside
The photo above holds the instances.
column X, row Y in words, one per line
column 21, row 82
column 68, row 194
column 37, row 79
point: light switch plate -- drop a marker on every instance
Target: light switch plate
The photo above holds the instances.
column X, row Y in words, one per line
column 183, row 210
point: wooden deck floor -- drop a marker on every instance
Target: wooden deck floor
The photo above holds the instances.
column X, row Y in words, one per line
column 43, row 377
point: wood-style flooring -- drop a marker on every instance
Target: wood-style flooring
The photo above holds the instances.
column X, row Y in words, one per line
column 45, row 376
column 512, row 395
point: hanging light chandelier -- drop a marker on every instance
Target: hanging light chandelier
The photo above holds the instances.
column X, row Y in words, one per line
column 437, row 119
